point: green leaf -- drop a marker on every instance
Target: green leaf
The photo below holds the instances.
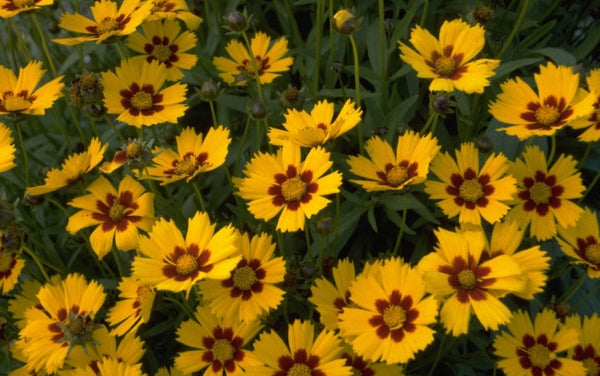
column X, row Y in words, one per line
column 558, row 55
column 371, row 218
column 510, row 66
column 588, row 45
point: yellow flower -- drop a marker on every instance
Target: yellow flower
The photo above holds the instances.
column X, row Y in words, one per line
column 195, row 154
column 7, row 149
column 544, row 194
column 386, row 170
column 250, row 290
column 171, row 10
column 534, row 348
column 582, row 242
column 134, row 93
column 261, row 61
column 109, row 367
column 318, row 127
column 73, row 169
column 592, row 120
column 363, row 367
column 118, row 214
column 10, row 8
column 588, row 349
column 284, row 184
column 544, row 113
column 468, row 191
column 18, row 95
column 162, row 41
column 108, row 22
column 448, row 60
column 168, row 261
column 133, row 309
column 344, row 21
column 10, row 267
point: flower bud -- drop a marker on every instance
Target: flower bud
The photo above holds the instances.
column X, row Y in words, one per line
column 236, row 21
column 257, row 110
column 344, row 22
column 291, row 98
column 485, row 144
column 482, row 14
column 209, row 91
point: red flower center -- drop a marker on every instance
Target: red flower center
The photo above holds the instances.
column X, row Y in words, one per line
column 552, row 112
column 160, row 49
column 396, row 316
column 141, row 100
column 116, row 212
column 292, row 189
column 246, row 279
column 589, row 250
column 541, row 193
column 185, row 264
column 538, row 355
column 396, row 175
column 590, row 359
column 224, row 350
column 300, row 365
column 467, row 278
column 470, row 190
column 446, row 65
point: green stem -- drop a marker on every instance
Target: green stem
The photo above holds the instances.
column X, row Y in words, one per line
column 24, row 153
column 44, row 44
column 241, row 148
column 115, row 253
column 308, row 247
column 37, row 262
column 552, row 149
column 514, row 30
column 430, row 121
column 383, row 57
column 198, row 196
column 589, row 187
column 319, row 38
column 438, row 355
column 356, row 87
column 401, row 232
column 255, row 66
column 573, row 288
column 213, row 113
column 592, row 292
column 581, row 162
column 424, row 14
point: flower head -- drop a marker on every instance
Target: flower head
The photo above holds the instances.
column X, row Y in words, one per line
column 18, row 95
column 582, row 242
column 168, row 261
column 318, row 127
column 7, row 149
column 542, row 114
column 10, row 267
column 468, row 191
column 250, row 290
column 133, row 309
column 302, row 355
column 588, row 349
column 10, row 8
column 171, row 10
column 134, row 93
column 162, row 41
column 73, row 169
column 390, row 317
column 386, row 170
column 108, row 22
column 469, row 283
column 592, row 120
column 534, row 348
column 448, row 61
column 195, row 154
column 218, row 343
column 544, row 194
column 264, row 60
column 285, row 184
column 136, row 153
column 364, row 367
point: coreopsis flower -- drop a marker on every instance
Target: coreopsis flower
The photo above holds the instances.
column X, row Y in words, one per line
column 534, row 349
column 134, row 307
column 134, row 93
column 10, row 267
column 544, row 194
column 109, row 367
column 582, row 242
column 264, row 60
column 25, row 299
column 119, row 214
column 468, row 283
column 7, row 149
column 171, row 10
column 386, row 170
column 468, row 191
column 72, row 169
column 136, row 153
column 363, row 367
column 10, row 8
column 168, row 261
column 163, row 371
column 284, row 184
column 18, row 95
column 250, row 290
column 108, row 22
column 448, row 61
column 542, row 114
column 390, row 315
column 302, row 355
column 592, row 121
column 318, row 126
column 587, row 350
column 162, row 41
column 217, row 343
column 195, row 154
column 63, row 319
column 331, row 298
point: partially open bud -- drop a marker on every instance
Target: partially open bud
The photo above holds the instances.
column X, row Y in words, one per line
column 344, row 22
column 482, row 14
column 291, row 98
column 441, row 104
column 86, row 88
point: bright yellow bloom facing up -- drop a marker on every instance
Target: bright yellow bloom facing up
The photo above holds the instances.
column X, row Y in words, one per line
column 448, row 61
column 134, row 307
column 134, row 93
column 588, row 349
column 108, row 22
column 217, row 343
column 168, row 261
column 171, row 10
column 7, row 149
column 458, row 273
column 582, row 242
column 10, row 8
column 544, row 194
column 18, row 95
column 386, row 170
column 264, row 61
column 73, row 169
column 543, row 113
column 468, row 191
column 533, row 349
column 63, row 319
column 195, row 154
column 592, row 121
column 284, row 184
column 302, row 355
column 250, row 291
column 118, row 214
column 390, row 317
column 318, row 127
column 162, row 41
